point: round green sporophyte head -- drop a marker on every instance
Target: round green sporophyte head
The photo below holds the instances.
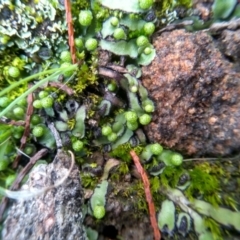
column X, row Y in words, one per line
column 131, row 117
column 149, row 28
column 119, row 34
column 38, row 131
column 99, row 212
column 145, row 4
column 85, row 18
column 145, row 119
column 13, row 72
column 77, row 145
column 142, row 41
column 91, row 44
column 65, row 56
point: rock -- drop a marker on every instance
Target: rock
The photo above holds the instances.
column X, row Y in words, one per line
column 55, row 214
column 197, row 95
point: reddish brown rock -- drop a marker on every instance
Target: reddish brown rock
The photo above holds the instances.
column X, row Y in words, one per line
column 197, row 95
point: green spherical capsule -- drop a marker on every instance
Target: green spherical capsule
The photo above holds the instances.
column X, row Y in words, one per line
column 38, row 131
column 77, row 145
column 114, row 21
column 134, row 89
column 18, row 112
column 43, row 94
column 111, row 87
column 4, row 102
column 91, row 44
column 47, row 102
column 147, row 50
column 149, row 108
column 112, row 137
column 99, row 212
column 79, row 43
column 149, row 28
column 106, row 130
column 22, row 102
column 13, row 72
column 17, row 135
column 142, row 41
column 119, row 34
column 67, row 73
column 10, row 179
column 66, row 56
column 37, row 104
column 85, row 17
column 145, row 4
column 145, row 119
column 132, row 126
column 35, row 119
column 176, row 159
column 29, row 150
column 156, row 148
column 131, row 116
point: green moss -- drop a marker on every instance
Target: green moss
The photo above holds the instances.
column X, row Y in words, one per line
column 214, row 227
column 122, row 152
column 88, row 181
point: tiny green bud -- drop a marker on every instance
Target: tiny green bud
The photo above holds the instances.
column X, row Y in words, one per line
column 176, row 159
column 79, row 43
column 13, row 72
column 91, row 44
column 119, row 34
column 142, row 41
column 85, row 17
column 29, row 150
column 47, row 102
column 145, row 4
column 131, row 116
column 149, row 28
column 37, row 104
column 99, row 212
column 132, row 126
column 112, row 137
column 67, row 73
column 106, row 130
column 134, row 89
column 114, row 21
column 77, row 145
column 145, row 119
column 111, row 87
column 18, row 112
column 4, row 102
column 66, row 56
column 156, row 148
column 35, row 119
column 149, row 108
column 38, row 131
column 43, row 94
column 147, row 50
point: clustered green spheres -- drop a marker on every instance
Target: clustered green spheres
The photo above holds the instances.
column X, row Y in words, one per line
column 106, row 130
column 112, row 137
column 18, row 112
column 176, row 159
column 147, row 50
column 131, row 116
column 66, row 65
column 47, row 102
column 85, row 17
column 79, row 43
column 4, row 102
column 43, row 94
column 156, row 148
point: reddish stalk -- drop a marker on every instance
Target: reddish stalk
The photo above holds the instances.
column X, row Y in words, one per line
column 151, row 207
column 70, row 30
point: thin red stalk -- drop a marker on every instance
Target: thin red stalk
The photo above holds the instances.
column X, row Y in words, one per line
column 70, row 31
column 151, row 207
column 26, row 129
